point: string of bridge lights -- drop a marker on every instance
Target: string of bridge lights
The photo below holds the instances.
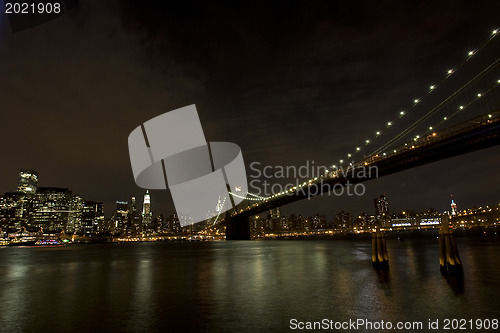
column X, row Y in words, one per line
column 460, row 108
column 414, row 125
column 416, row 138
column 255, row 198
column 401, row 114
column 416, row 101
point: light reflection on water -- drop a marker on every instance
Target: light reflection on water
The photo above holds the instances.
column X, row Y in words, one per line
column 244, row 286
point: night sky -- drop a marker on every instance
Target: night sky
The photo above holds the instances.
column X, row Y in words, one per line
column 288, row 82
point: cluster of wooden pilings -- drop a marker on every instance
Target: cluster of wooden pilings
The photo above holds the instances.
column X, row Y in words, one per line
column 449, row 260
column 380, row 260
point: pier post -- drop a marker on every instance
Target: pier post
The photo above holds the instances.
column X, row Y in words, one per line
column 449, row 259
column 380, row 259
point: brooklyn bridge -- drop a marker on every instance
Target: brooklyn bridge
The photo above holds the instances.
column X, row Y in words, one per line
column 458, row 114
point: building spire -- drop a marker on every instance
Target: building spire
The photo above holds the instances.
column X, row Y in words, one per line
column 146, row 210
column 454, row 209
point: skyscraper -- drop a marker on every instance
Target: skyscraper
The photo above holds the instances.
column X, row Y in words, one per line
column 381, row 206
column 275, row 212
column 132, row 208
column 146, row 210
column 28, row 181
column 92, row 217
column 120, row 216
column 343, row 220
column 51, row 207
column 382, row 210
column 454, row 209
column 75, row 214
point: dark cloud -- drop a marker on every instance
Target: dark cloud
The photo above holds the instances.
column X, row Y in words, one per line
column 288, row 82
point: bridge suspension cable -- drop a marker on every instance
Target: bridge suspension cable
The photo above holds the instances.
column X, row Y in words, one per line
column 440, row 106
column 421, row 120
column 432, row 88
column 255, row 196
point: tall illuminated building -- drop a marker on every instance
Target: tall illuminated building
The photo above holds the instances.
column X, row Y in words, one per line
column 132, row 207
column 146, row 210
column 273, row 221
column 343, row 220
column 28, row 181
column 120, row 215
column 92, row 217
column 381, row 206
column 220, row 206
column 382, row 210
column 454, row 209
column 51, row 208
column 275, row 213
column 134, row 217
column 75, row 214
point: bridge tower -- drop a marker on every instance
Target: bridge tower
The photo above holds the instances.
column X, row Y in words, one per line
column 238, row 228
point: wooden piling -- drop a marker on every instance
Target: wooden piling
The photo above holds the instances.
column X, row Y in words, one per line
column 449, row 259
column 380, row 259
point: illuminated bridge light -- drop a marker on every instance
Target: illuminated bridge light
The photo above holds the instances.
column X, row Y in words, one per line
column 479, row 95
column 395, row 150
column 349, row 155
column 489, row 116
column 432, row 87
column 402, row 113
column 471, row 53
column 341, row 161
column 430, row 127
column 494, row 32
column 358, row 149
column 461, row 107
column 445, row 118
column 450, row 71
column 389, row 123
column 367, row 141
column 378, row 133
column 416, row 101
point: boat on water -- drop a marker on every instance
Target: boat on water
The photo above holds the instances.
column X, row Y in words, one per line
column 23, row 237
column 49, row 242
column 24, row 241
column 34, row 242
